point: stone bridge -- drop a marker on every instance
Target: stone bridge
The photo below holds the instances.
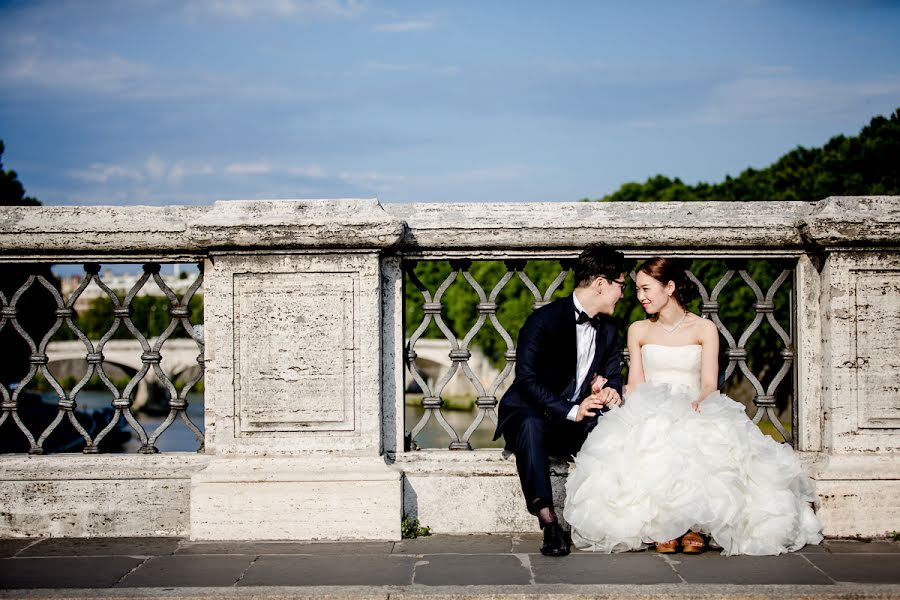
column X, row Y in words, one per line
column 305, row 358
column 433, row 361
column 179, row 361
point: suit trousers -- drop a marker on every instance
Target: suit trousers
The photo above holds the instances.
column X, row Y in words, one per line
column 534, row 439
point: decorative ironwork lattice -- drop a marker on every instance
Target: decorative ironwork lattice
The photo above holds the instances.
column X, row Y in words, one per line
column 486, row 401
column 122, row 400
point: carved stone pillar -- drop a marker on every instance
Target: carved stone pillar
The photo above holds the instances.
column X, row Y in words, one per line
column 858, row 469
column 293, row 374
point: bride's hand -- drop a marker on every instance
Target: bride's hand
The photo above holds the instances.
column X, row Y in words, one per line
column 696, row 405
column 597, row 384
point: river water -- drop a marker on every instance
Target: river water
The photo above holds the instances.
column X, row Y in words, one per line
column 177, row 438
column 434, row 436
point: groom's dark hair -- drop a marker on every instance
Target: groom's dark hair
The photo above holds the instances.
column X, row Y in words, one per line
column 596, row 261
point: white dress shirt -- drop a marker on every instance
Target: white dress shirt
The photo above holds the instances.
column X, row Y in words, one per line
column 586, row 340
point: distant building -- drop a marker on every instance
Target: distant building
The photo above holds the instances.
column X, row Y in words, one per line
column 121, row 284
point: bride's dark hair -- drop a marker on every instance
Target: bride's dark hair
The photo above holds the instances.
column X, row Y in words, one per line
column 665, row 270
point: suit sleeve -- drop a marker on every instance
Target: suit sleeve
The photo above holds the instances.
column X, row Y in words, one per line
column 532, row 339
column 611, row 366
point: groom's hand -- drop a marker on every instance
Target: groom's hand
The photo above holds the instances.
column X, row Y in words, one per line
column 588, row 407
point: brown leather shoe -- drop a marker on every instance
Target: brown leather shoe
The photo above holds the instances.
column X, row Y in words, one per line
column 693, row 543
column 670, row 547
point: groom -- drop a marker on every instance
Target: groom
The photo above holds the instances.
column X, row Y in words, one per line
column 549, row 409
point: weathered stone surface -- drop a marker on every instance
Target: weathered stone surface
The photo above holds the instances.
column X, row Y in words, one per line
column 861, row 388
column 859, row 506
column 96, row 496
column 644, row 226
column 486, row 481
column 295, row 351
column 270, row 224
column 393, row 356
column 809, row 359
column 292, row 353
column 119, row 230
column 158, row 230
column 271, row 498
column 842, row 221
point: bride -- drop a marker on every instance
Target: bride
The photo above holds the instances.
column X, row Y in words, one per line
column 678, row 458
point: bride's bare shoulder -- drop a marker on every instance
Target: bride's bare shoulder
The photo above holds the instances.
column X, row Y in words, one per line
column 639, row 327
column 706, row 325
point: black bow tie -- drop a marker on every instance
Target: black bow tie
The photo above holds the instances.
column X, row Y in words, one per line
column 584, row 318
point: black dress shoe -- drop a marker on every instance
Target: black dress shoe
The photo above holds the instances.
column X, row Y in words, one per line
column 556, row 541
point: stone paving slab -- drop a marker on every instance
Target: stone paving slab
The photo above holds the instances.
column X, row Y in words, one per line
column 188, row 571
column 102, row 547
column 528, row 543
column 65, row 572
column 858, row 568
column 754, row 570
column 471, row 569
column 584, row 568
column 311, row 548
column 456, row 544
column 11, row 547
column 330, row 570
column 861, row 547
column 508, row 562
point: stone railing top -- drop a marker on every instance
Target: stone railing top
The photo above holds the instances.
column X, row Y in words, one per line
column 241, row 224
column 619, row 224
column 853, row 220
column 871, row 221
column 843, row 221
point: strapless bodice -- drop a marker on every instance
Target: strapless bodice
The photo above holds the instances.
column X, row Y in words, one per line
column 675, row 365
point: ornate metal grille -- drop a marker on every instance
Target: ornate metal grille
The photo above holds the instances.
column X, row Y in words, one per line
column 734, row 348
column 122, row 400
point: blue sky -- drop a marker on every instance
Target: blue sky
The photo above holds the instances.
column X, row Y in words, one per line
column 159, row 102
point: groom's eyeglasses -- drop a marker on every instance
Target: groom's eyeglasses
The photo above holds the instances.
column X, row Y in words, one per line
column 621, row 284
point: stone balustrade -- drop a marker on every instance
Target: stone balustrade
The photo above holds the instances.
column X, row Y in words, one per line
column 304, row 357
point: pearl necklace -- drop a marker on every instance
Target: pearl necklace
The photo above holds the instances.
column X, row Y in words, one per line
column 675, row 326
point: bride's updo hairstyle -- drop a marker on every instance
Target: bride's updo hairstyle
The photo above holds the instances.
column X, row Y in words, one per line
column 665, row 270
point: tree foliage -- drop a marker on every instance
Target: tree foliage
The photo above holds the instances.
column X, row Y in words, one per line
column 863, row 165
column 12, row 192
column 150, row 315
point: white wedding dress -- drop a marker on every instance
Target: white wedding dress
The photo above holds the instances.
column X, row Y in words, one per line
column 654, row 468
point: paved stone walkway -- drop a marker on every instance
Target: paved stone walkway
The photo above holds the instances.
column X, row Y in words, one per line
column 463, row 566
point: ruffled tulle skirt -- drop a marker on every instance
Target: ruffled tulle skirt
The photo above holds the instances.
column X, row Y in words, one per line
column 654, row 468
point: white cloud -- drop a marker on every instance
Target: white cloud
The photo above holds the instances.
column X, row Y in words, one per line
column 372, row 180
column 405, row 26
column 103, row 173
column 783, row 98
column 377, row 66
column 312, row 171
column 250, row 9
column 155, row 167
column 251, row 168
column 181, row 170
column 107, row 75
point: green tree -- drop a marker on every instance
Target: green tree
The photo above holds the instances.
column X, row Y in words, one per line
column 35, row 310
column 150, row 315
column 12, row 192
column 866, row 164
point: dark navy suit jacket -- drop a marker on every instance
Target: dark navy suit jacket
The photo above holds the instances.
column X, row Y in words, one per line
column 546, row 359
